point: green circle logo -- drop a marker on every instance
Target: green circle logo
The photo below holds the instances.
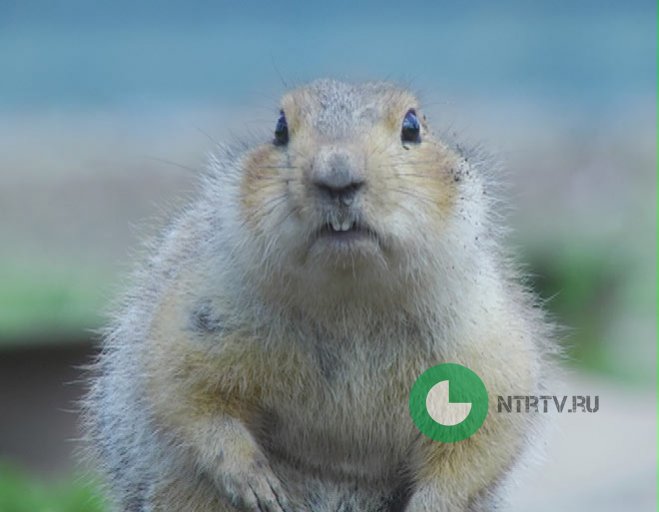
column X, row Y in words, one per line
column 448, row 403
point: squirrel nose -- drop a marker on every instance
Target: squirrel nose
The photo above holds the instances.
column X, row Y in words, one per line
column 344, row 191
column 335, row 177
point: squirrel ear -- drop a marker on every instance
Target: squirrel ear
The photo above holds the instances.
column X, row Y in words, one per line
column 281, row 130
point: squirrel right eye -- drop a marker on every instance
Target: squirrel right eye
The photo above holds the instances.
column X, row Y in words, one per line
column 411, row 129
column 281, row 130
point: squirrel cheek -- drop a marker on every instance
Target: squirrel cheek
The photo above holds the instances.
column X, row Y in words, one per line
column 259, row 184
column 434, row 184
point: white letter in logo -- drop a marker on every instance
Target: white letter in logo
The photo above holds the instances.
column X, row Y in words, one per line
column 442, row 410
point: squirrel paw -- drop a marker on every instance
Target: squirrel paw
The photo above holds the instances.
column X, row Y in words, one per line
column 255, row 489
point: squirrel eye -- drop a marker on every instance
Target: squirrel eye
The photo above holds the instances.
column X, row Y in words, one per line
column 411, row 127
column 281, row 130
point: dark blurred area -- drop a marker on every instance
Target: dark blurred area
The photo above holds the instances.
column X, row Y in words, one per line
column 108, row 112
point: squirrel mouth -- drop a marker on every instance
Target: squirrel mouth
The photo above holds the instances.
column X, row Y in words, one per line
column 347, row 231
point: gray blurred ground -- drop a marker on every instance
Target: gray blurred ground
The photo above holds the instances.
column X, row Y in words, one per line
column 604, row 461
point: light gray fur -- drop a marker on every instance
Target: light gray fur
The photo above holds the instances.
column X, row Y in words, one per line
column 209, row 238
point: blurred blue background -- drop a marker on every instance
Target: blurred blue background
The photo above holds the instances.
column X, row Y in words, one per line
column 592, row 55
column 108, row 110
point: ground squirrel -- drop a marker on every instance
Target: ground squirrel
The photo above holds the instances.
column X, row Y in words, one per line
column 264, row 358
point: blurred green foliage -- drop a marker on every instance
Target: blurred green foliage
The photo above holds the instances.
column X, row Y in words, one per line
column 18, row 493
column 585, row 290
column 38, row 304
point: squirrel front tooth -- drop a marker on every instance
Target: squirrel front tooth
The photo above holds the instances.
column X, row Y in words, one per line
column 336, row 226
column 346, row 225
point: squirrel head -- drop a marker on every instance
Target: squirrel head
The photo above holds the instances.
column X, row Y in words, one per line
column 353, row 186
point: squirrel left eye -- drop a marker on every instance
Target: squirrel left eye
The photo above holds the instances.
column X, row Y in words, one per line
column 281, row 130
column 411, row 129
